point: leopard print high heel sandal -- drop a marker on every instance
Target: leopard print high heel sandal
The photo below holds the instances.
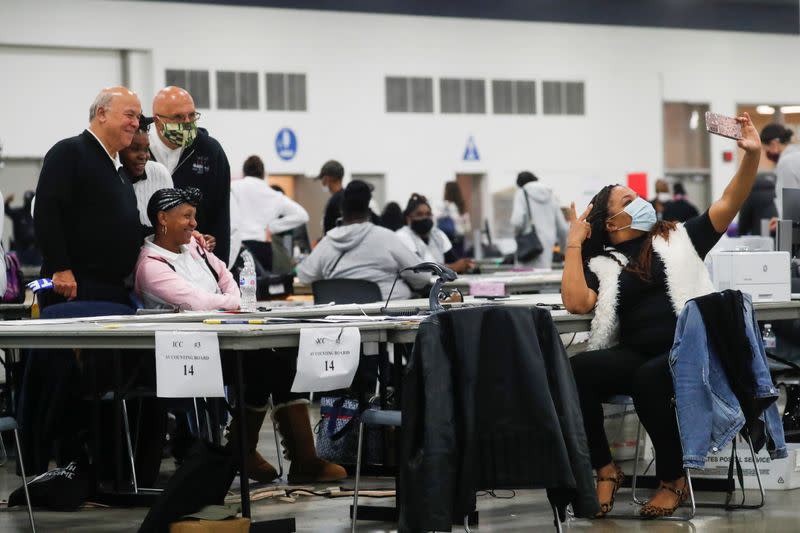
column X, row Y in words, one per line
column 616, row 479
column 652, row 511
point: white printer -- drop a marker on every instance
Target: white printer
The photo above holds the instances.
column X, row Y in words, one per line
column 763, row 275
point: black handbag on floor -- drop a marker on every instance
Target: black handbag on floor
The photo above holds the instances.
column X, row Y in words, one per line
column 61, row 489
column 529, row 246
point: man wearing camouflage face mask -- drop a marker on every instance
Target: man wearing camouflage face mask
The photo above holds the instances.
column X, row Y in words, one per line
column 195, row 159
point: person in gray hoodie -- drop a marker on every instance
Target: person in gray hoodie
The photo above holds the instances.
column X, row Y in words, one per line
column 358, row 249
column 551, row 226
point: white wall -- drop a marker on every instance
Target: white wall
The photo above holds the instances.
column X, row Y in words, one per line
column 628, row 72
column 46, row 92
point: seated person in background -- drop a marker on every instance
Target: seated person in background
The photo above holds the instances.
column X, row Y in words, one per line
column 452, row 217
column 146, row 175
column 23, row 235
column 636, row 274
column 679, row 209
column 173, row 270
column 662, row 197
column 392, row 217
column 358, row 249
column 262, row 211
column 428, row 242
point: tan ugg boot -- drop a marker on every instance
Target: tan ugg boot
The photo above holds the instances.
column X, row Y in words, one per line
column 294, row 426
column 258, row 469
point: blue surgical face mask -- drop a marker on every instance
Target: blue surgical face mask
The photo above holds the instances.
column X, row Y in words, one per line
column 643, row 215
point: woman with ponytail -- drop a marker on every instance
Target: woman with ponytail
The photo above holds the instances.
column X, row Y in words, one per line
column 636, row 274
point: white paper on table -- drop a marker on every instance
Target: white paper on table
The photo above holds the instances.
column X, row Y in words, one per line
column 327, row 359
column 356, row 318
column 188, row 365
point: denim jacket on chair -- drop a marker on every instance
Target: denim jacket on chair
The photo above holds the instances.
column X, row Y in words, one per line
column 709, row 415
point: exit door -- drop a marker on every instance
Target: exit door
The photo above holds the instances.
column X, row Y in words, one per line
column 687, row 150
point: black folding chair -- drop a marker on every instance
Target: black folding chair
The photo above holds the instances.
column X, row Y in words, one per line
column 627, row 401
column 346, row 291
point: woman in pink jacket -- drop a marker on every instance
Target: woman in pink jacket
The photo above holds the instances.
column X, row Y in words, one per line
column 174, row 271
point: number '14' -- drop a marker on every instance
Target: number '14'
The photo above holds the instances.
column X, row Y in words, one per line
column 188, row 370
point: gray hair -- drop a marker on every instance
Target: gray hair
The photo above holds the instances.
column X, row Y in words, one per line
column 103, row 100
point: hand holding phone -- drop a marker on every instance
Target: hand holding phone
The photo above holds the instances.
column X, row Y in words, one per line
column 724, row 126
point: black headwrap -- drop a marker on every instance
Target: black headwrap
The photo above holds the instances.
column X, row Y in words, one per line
column 166, row 199
column 144, row 123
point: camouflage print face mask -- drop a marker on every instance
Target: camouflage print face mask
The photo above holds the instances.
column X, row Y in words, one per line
column 180, row 133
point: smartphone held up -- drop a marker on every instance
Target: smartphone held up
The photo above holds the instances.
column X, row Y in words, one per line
column 724, row 126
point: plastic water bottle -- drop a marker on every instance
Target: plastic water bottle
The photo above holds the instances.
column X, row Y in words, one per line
column 768, row 336
column 247, row 282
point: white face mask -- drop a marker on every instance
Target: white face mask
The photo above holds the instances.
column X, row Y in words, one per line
column 642, row 213
column 326, row 188
column 663, row 197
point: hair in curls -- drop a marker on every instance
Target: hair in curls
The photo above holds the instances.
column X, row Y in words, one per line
column 596, row 244
column 415, row 201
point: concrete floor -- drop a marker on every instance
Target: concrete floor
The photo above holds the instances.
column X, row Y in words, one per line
column 527, row 511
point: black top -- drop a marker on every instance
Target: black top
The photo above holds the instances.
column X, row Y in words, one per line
column 333, row 211
column 759, row 205
column 204, row 165
column 678, row 211
column 646, row 318
column 85, row 216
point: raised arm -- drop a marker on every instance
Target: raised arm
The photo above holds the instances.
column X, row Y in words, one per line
column 290, row 215
column 724, row 210
column 576, row 295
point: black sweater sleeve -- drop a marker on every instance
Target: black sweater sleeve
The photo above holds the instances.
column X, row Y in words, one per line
column 220, row 225
column 53, row 205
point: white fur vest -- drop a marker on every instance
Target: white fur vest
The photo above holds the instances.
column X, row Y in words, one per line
column 687, row 278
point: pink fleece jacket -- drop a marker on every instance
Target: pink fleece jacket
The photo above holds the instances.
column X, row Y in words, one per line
column 155, row 278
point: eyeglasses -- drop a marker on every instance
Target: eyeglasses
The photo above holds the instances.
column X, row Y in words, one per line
column 191, row 117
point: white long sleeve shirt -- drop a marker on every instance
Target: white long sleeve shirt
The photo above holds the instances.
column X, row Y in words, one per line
column 158, row 177
column 261, row 208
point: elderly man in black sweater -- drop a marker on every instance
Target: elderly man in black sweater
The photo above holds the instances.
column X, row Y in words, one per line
column 194, row 159
column 86, row 219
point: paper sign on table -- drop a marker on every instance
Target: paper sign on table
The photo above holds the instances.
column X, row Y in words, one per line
column 327, row 359
column 487, row 288
column 188, row 365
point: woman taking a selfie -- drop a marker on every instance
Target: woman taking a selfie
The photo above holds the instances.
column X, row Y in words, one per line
column 637, row 274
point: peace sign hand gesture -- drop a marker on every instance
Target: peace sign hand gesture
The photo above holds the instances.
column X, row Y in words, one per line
column 579, row 229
